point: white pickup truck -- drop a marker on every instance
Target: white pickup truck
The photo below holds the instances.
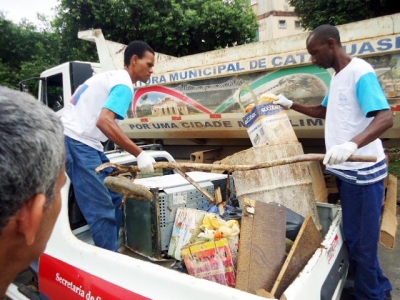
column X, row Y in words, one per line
column 73, row 268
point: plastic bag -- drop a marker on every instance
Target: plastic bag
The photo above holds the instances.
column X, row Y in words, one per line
column 293, row 222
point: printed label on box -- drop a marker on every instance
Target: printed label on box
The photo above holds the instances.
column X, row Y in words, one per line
column 268, row 124
column 179, row 198
column 211, row 261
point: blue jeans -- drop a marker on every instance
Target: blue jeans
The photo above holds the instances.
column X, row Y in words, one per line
column 362, row 208
column 99, row 205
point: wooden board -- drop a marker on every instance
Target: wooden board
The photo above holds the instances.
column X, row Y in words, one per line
column 389, row 215
column 261, row 246
column 307, row 242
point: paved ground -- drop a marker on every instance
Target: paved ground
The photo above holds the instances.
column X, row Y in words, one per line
column 390, row 259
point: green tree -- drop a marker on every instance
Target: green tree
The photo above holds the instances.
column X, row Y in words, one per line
column 174, row 27
column 25, row 51
column 313, row 13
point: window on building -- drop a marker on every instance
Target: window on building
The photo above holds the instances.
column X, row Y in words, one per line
column 282, row 24
column 297, row 25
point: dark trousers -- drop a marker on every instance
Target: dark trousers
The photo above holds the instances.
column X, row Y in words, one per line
column 99, row 205
column 362, row 208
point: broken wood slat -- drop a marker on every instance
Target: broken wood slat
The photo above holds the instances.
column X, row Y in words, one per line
column 263, row 293
column 194, row 183
column 306, row 243
column 261, row 246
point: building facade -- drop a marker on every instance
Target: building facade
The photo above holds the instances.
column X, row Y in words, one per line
column 276, row 18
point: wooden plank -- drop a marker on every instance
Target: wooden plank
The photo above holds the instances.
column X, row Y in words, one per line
column 263, row 293
column 389, row 218
column 307, row 242
column 261, row 246
column 243, row 267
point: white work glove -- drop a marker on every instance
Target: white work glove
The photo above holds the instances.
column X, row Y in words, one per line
column 340, row 153
column 145, row 162
column 283, row 101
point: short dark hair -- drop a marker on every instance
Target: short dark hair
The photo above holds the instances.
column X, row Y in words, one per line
column 324, row 32
column 137, row 48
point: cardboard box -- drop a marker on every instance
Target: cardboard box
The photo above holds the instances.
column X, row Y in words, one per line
column 211, row 261
column 268, row 124
column 187, row 224
column 318, row 181
column 389, row 218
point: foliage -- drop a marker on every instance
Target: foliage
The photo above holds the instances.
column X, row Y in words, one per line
column 174, row 27
column 313, row 13
column 24, row 51
column 394, row 167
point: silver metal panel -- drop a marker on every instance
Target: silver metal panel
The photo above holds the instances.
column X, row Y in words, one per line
column 175, row 180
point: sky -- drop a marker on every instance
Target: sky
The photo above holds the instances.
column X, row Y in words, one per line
column 17, row 9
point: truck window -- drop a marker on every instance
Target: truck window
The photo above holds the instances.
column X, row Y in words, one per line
column 54, row 90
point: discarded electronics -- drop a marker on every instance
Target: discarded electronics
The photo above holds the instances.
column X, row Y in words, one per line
column 148, row 225
column 165, row 227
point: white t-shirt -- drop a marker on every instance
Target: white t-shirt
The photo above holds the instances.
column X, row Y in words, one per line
column 112, row 90
column 354, row 93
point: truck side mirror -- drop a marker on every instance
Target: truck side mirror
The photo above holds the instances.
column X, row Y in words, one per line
column 23, row 87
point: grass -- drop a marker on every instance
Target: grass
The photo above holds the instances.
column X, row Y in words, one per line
column 394, row 167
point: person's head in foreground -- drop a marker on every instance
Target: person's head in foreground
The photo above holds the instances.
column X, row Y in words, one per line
column 32, row 159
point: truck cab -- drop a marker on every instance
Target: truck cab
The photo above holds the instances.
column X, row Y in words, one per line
column 56, row 85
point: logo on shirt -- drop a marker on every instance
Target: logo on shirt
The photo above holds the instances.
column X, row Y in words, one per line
column 342, row 100
column 78, row 93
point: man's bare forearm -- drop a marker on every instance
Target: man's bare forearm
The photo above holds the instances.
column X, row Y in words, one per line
column 106, row 123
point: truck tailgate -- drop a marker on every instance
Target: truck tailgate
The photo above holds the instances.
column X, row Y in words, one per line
column 324, row 275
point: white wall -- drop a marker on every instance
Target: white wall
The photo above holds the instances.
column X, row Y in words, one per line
column 269, row 13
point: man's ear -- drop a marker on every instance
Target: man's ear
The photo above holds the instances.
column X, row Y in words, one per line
column 134, row 59
column 331, row 42
column 30, row 216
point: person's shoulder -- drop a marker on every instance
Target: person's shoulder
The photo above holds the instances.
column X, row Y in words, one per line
column 359, row 62
column 119, row 75
column 119, row 72
column 361, row 66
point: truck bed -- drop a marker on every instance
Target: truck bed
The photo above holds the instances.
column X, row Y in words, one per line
column 322, row 278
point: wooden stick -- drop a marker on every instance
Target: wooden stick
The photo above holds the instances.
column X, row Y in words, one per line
column 194, row 183
column 233, row 168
